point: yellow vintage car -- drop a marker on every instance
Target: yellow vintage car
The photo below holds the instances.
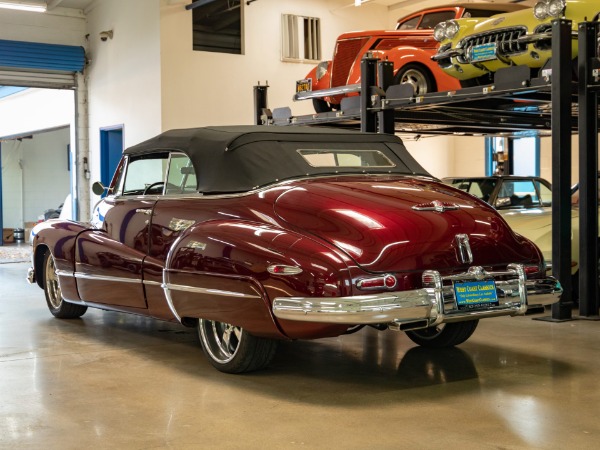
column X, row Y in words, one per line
column 526, row 205
column 473, row 48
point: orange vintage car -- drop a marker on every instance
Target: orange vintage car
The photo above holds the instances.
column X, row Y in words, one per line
column 410, row 47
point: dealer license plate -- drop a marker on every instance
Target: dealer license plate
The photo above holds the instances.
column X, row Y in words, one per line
column 304, row 85
column 483, row 52
column 475, row 294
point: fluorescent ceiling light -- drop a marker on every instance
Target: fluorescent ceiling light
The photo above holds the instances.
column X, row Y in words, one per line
column 360, row 2
column 24, row 6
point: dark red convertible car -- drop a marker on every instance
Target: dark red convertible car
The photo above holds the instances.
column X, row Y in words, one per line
column 255, row 234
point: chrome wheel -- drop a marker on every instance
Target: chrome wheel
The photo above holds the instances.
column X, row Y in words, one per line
column 417, row 76
column 54, row 298
column 53, row 292
column 221, row 340
column 232, row 349
column 417, row 80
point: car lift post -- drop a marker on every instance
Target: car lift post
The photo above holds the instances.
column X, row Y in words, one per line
column 260, row 102
column 368, row 71
column 561, row 164
column 385, row 78
column 588, row 173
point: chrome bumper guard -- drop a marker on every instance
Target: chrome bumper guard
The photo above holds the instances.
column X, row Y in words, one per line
column 331, row 92
column 426, row 307
column 31, row 275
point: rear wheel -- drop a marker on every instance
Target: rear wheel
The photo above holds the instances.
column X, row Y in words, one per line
column 232, row 349
column 444, row 335
column 417, row 76
column 56, row 303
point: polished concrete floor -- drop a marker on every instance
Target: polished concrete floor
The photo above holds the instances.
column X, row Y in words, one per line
column 114, row 380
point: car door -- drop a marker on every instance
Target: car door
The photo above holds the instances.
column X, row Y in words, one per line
column 109, row 258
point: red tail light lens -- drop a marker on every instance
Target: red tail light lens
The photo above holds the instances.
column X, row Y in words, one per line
column 384, row 282
column 529, row 270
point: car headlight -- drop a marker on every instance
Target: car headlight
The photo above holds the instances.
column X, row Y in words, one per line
column 322, row 69
column 452, row 28
column 439, row 32
column 540, row 10
column 556, row 8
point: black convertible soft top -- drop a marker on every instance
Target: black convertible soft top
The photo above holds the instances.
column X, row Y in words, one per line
column 242, row 158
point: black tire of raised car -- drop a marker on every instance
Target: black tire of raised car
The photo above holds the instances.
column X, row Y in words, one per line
column 232, row 349
column 321, row 106
column 418, row 76
column 56, row 303
column 444, row 335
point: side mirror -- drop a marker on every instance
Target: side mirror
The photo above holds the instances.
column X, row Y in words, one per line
column 503, row 201
column 98, row 188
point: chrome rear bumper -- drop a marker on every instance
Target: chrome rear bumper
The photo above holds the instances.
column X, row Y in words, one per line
column 426, row 307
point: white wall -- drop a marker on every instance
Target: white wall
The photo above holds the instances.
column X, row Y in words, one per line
column 59, row 27
column 123, row 78
column 34, row 176
column 204, row 88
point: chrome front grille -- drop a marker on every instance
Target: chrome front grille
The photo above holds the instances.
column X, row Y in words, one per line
column 506, row 41
column 343, row 59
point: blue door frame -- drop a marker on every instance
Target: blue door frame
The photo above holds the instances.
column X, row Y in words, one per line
column 111, row 149
column 1, row 216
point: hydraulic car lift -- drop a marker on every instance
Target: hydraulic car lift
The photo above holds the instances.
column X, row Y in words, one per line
column 515, row 104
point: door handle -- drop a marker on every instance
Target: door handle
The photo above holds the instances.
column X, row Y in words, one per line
column 148, row 212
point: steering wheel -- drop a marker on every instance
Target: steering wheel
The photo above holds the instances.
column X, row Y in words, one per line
column 154, row 185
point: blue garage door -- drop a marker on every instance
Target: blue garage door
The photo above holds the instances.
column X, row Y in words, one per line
column 35, row 64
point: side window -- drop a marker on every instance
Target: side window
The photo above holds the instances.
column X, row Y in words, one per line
column 146, row 175
column 521, row 194
column 181, row 178
column 410, row 24
column 545, row 193
column 432, row 19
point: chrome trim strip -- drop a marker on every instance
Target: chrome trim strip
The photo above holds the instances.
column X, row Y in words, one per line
column 430, row 305
column 87, row 276
column 199, row 290
column 153, row 283
column 64, row 273
column 166, row 290
column 258, row 190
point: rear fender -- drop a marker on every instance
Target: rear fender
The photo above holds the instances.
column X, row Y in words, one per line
column 219, row 271
column 58, row 236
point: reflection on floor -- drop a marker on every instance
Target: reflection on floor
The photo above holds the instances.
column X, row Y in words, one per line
column 121, row 381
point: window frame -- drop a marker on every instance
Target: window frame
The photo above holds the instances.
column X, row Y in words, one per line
column 292, row 35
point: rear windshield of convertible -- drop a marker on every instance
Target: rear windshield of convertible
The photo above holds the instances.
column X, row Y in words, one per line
column 345, row 158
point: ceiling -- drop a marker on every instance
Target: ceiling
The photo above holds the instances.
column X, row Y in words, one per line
column 391, row 4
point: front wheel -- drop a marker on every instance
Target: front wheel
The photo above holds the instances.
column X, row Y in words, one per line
column 321, row 106
column 444, row 335
column 56, row 303
column 418, row 76
column 232, row 349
